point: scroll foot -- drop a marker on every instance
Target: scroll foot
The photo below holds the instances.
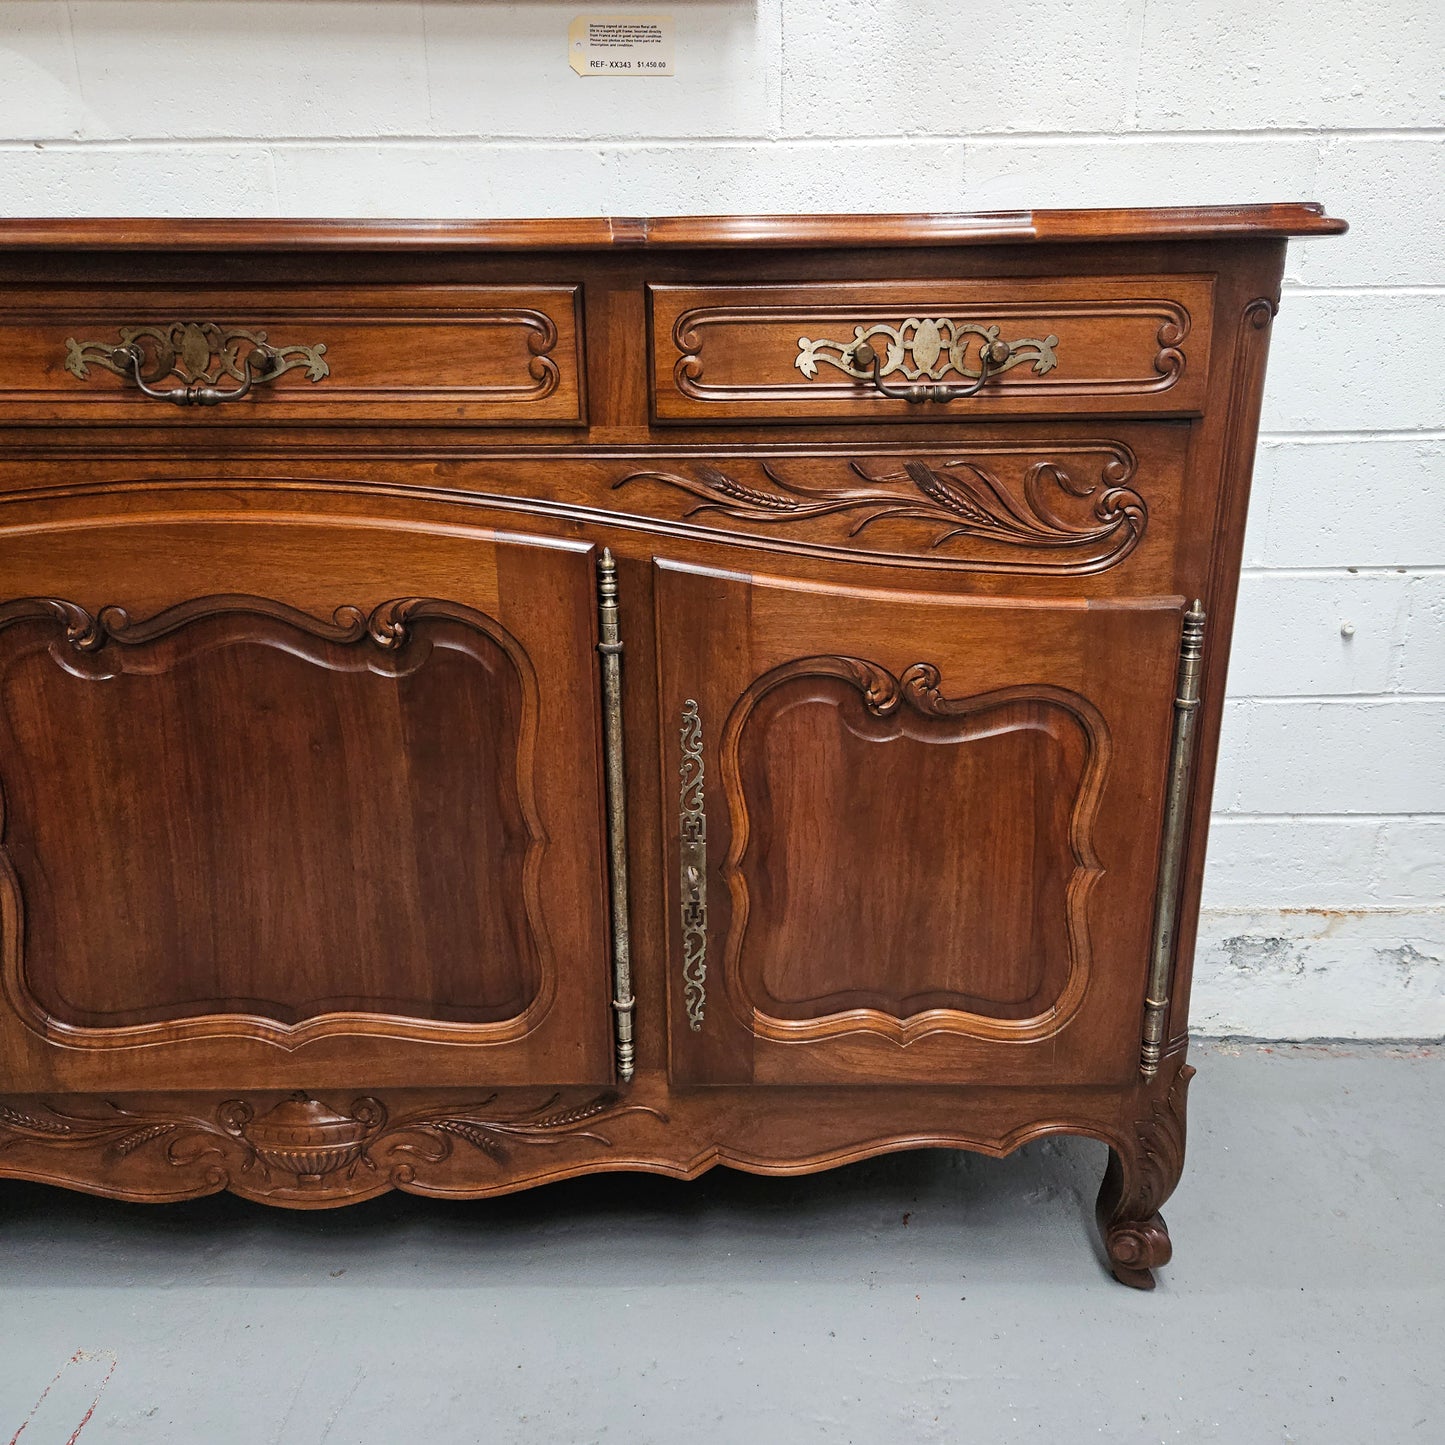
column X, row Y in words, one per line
column 1139, row 1178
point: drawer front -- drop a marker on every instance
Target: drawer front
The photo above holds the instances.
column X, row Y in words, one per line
column 460, row 355
column 790, row 353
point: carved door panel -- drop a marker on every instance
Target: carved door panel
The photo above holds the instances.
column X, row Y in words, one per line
column 299, row 802
column 915, row 837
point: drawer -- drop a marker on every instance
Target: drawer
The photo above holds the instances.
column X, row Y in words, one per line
column 459, row 355
column 790, row 353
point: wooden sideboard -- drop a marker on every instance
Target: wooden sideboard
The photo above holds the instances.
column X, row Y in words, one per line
column 483, row 703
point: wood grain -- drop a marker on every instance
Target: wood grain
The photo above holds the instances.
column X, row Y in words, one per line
column 830, row 859
column 334, row 779
column 303, row 883
column 1101, row 345
column 629, row 232
column 299, row 830
column 480, row 355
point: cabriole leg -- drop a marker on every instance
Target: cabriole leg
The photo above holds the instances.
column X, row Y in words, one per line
column 1139, row 1178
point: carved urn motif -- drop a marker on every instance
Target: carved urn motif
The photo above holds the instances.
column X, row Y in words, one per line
column 305, row 1137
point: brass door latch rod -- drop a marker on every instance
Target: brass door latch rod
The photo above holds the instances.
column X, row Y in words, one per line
column 1166, row 902
column 610, row 649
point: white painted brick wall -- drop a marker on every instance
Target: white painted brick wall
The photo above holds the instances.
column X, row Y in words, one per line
column 1325, row 897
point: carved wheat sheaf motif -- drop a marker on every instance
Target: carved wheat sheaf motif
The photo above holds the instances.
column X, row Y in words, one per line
column 948, row 501
column 302, row 1143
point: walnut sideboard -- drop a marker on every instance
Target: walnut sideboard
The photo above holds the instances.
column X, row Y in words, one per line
column 483, row 703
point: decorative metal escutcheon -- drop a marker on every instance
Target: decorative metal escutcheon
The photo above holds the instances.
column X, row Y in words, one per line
column 692, row 819
column 922, row 351
column 199, row 354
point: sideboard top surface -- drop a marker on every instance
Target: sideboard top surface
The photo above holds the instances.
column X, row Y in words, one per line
column 603, row 233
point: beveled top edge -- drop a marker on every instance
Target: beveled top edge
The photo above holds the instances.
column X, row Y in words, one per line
column 841, row 232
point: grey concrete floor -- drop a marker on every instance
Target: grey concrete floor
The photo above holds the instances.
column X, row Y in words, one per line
column 923, row 1297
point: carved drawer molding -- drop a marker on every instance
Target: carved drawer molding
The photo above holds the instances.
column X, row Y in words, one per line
column 790, row 353
column 427, row 355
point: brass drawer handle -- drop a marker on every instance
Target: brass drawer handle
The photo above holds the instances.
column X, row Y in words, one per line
column 195, row 393
column 993, row 354
column 199, row 354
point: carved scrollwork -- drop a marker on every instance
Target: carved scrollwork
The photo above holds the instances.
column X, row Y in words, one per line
column 881, row 690
column 924, row 348
column 388, row 625
column 1261, row 311
column 82, row 631
column 954, row 499
column 303, row 1144
column 1160, row 1134
column 197, row 353
column 541, row 338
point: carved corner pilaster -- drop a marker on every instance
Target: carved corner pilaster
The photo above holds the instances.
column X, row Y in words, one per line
column 1143, row 1170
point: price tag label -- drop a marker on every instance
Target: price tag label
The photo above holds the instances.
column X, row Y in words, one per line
column 620, row 45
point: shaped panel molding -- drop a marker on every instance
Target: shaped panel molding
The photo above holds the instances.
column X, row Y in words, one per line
column 298, row 826
column 845, row 917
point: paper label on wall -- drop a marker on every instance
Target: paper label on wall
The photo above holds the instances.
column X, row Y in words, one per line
column 621, row 45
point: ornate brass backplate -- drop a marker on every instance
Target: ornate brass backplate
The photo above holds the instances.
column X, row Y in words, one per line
column 923, row 348
column 199, row 354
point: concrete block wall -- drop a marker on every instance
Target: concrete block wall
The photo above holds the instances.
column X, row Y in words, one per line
column 1326, row 887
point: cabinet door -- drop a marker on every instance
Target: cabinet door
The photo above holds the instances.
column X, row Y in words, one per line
column 298, row 801
column 916, row 837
